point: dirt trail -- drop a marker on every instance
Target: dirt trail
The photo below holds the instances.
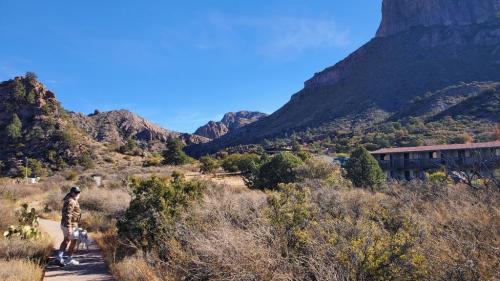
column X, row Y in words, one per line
column 92, row 266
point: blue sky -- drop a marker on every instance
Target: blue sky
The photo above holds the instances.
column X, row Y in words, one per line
column 179, row 63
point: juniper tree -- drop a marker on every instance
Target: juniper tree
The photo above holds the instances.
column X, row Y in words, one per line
column 14, row 128
column 363, row 169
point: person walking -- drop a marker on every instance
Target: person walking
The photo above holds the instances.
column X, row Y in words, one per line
column 71, row 215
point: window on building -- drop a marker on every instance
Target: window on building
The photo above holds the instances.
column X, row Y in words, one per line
column 407, row 175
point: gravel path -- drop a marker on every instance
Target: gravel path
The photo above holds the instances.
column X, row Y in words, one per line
column 92, row 266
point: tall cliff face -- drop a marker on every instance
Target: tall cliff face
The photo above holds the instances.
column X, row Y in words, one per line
column 401, row 15
column 422, row 46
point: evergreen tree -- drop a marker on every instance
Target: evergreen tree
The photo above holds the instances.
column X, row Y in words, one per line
column 281, row 168
column 31, row 76
column 14, row 128
column 208, row 164
column 363, row 169
column 173, row 154
column 19, row 92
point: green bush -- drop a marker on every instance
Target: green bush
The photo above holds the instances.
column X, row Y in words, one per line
column 278, row 169
column 243, row 163
column 291, row 214
column 156, row 205
column 130, row 148
column 37, row 168
column 208, row 164
column 13, row 130
column 363, row 169
column 19, row 93
column 437, row 177
column 173, row 153
column 86, row 161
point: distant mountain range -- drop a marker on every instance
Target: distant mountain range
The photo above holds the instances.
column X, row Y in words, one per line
column 431, row 75
column 422, row 46
column 229, row 123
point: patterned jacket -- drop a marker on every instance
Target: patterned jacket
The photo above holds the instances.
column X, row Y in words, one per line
column 71, row 213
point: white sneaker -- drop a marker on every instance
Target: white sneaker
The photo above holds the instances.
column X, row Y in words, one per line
column 73, row 262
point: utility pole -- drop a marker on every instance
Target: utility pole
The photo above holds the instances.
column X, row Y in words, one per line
column 26, row 170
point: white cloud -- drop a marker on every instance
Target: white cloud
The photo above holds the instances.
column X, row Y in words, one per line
column 301, row 34
column 272, row 35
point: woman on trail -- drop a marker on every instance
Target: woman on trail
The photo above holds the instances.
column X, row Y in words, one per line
column 71, row 215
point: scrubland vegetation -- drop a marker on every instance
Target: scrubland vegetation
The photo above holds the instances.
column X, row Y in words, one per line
column 296, row 217
column 23, row 249
column 316, row 226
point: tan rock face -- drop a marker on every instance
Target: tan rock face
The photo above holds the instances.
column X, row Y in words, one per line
column 401, row 15
column 231, row 121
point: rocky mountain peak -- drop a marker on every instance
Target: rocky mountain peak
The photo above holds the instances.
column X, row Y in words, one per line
column 230, row 122
column 401, row 15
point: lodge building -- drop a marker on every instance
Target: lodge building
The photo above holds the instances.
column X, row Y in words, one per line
column 412, row 162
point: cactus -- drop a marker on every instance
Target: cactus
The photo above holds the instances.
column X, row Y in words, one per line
column 28, row 225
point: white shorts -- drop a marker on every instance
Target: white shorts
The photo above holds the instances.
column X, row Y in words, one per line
column 66, row 233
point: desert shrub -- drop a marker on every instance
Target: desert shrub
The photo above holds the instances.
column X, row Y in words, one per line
column 37, row 168
column 130, row 148
column 278, row 169
column 173, row 153
column 153, row 161
column 20, row 270
column 71, row 175
column 319, row 169
column 133, row 269
column 437, row 177
column 85, row 181
column 291, row 214
column 97, row 221
column 240, row 162
column 156, row 204
column 208, row 165
column 86, row 161
column 363, row 169
column 22, row 171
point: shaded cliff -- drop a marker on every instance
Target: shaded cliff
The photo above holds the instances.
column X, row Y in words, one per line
column 384, row 75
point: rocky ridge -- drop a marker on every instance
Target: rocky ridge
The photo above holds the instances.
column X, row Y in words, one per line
column 230, row 122
column 402, row 15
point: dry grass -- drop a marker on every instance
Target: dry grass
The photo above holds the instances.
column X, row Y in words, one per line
column 134, row 269
column 20, row 270
column 7, row 214
column 36, row 250
column 228, row 236
column 108, row 201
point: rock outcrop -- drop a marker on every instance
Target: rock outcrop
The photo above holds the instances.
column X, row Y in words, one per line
column 34, row 125
column 117, row 126
column 402, row 15
column 230, row 122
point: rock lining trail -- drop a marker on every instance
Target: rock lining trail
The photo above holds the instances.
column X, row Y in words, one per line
column 92, row 266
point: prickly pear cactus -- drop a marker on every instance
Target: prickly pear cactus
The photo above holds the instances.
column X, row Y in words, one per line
column 28, row 225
